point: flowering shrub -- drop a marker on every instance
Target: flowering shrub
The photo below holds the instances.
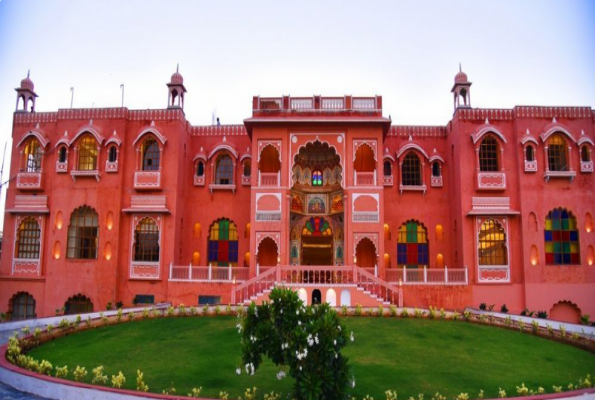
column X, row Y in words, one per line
column 463, row 396
column 380, row 310
column 358, row 309
column 390, row 395
column 306, row 339
column 192, row 310
column 79, row 373
column 404, row 313
column 98, row 376
column 62, row 372
column 26, row 330
column 45, row 367
column 181, row 310
column 393, row 310
column 223, row 395
column 195, row 392
column 118, row 380
column 501, row 393
column 141, row 386
column 119, row 314
column 130, row 316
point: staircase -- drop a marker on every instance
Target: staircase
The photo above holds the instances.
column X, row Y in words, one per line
column 365, row 288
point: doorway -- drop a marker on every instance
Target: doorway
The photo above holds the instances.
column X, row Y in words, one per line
column 316, row 296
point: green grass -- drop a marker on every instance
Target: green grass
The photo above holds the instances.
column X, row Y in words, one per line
column 408, row 355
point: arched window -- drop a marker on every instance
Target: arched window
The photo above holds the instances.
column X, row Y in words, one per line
column 200, row 168
column 317, row 178
column 492, row 244
column 412, row 245
column 585, row 154
column 146, row 241
column 388, row 168
column 83, row 234
column 269, row 159
column 224, row 170
column 33, row 156
column 561, row 238
column 28, row 235
column 23, row 307
column 87, row 154
column 247, row 168
column 112, row 154
column 557, row 153
column 364, row 159
column 62, row 154
column 78, row 304
column 436, row 170
column 488, row 155
column 151, row 154
column 530, row 153
column 223, row 243
column 411, row 170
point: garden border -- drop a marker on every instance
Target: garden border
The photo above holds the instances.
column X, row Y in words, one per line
column 64, row 389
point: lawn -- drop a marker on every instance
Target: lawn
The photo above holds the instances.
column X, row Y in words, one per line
column 408, row 355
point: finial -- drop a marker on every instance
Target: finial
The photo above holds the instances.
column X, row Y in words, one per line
column 37, row 126
column 527, row 133
column 460, row 68
column 153, row 123
column 582, row 133
column 435, row 150
column 487, row 121
column 410, row 138
column 554, row 120
column 224, row 138
column 65, row 133
column 28, row 72
column 91, row 120
column 178, row 68
column 114, row 134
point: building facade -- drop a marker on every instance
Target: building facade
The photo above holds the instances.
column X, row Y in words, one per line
column 322, row 194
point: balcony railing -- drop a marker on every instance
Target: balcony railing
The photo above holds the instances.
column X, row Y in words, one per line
column 365, row 178
column 147, row 180
column 269, row 178
column 491, row 181
column 586, row 166
column 427, row 276
column 531, row 166
column 29, row 181
column 436, row 181
column 318, row 103
column 191, row 273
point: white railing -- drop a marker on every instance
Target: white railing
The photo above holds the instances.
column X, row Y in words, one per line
column 363, row 103
column 427, row 276
column 332, row 103
column 301, row 104
column 192, row 273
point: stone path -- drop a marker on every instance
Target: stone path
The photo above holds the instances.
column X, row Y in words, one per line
column 8, row 393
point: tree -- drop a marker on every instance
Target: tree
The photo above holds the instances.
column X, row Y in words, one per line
column 307, row 340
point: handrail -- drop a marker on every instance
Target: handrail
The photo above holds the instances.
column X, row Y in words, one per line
column 387, row 287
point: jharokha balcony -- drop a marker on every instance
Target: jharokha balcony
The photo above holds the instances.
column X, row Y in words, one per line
column 491, row 180
column 147, row 180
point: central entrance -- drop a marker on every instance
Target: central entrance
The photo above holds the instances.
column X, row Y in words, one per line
column 317, row 251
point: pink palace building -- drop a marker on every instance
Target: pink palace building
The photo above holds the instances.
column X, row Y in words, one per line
column 321, row 194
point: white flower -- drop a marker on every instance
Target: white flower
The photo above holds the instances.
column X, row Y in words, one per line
column 339, row 328
column 335, row 342
column 299, row 323
column 252, row 368
column 316, row 338
column 281, row 375
column 297, row 312
column 352, row 338
column 336, row 355
column 281, row 312
column 238, row 371
column 300, row 367
column 353, row 382
column 239, row 326
column 247, row 368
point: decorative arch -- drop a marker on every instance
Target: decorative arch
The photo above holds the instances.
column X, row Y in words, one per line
column 487, row 129
column 370, row 143
column 267, row 252
column 262, row 145
column 274, row 236
column 526, row 139
column 78, row 304
column 91, row 130
column 115, row 139
column 555, row 128
column 585, row 139
column 151, row 130
column 358, row 237
column 224, row 146
column 21, row 306
column 566, row 311
column 40, row 138
column 411, row 146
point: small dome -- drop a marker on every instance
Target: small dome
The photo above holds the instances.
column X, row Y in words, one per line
column 177, row 78
column 27, row 83
column 461, row 77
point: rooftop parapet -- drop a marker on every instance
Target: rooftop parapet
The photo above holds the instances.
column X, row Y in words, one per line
column 317, row 105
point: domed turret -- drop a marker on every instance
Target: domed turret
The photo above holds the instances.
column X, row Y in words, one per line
column 26, row 96
column 176, row 90
column 461, row 90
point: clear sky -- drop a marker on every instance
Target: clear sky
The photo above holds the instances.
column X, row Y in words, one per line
column 515, row 53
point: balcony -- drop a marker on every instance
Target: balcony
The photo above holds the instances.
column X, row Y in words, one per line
column 427, row 276
column 147, row 180
column 269, row 178
column 85, row 174
column 531, row 166
column 144, row 270
column 491, row 181
column 369, row 105
column 587, row 166
column 25, row 267
column 364, row 178
column 493, row 274
column 199, row 180
column 29, row 181
column 62, row 167
column 387, row 180
column 413, row 188
column 436, row 181
column 246, row 180
column 222, row 186
column 559, row 174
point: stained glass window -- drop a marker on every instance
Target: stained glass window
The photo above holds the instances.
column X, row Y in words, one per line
column 492, row 244
column 223, row 243
column 561, row 238
column 317, row 178
column 412, row 245
column 317, row 226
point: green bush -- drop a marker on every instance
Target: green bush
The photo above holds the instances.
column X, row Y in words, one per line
column 306, row 339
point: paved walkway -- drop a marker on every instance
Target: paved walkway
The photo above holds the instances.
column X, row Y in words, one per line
column 8, row 393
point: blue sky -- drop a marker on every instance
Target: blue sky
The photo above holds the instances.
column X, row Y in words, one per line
column 515, row 53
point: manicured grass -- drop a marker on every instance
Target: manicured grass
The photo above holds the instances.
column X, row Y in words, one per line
column 408, row 355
